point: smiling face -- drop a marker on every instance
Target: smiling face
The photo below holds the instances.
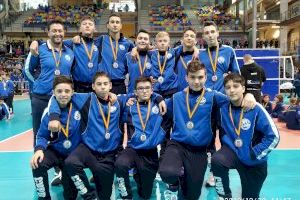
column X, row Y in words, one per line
column 142, row 41
column 189, row 39
column 56, row 33
column 63, row 93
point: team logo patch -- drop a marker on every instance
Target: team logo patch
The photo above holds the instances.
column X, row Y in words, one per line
column 246, row 124
column 169, row 55
column 221, row 59
column 77, row 115
column 95, row 48
column 155, row 109
column 67, row 57
column 113, row 109
column 122, row 47
column 148, row 65
column 203, row 100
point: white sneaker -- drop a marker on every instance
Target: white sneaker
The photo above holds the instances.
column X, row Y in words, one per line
column 57, row 179
column 210, row 181
column 169, row 195
column 157, row 178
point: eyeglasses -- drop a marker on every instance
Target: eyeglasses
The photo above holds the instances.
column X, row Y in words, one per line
column 141, row 89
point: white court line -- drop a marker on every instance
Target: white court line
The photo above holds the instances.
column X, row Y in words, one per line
column 25, row 151
column 284, row 149
column 11, row 137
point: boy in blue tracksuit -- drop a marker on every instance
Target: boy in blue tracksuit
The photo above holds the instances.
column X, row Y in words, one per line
column 141, row 66
column 54, row 59
column 192, row 111
column 279, row 108
column 112, row 50
column 52, row 148
column 185, row 57
column 145, row 132
column 248, row 138
column 4, row 110
column 8, row 89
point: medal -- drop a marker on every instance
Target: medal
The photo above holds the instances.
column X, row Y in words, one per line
column 115, row 52
column 161, row 67
column 143, row 137
column 107, row 135
column 214, row 64
column 214, row 78
column 90, row 65
column 144, row 124
column 57, row 72
column 115, row 65
column 89, row 53
column 105, row 120
column 57, row 62
column 67, row 144
column 190, row 125
column 160, row 79
column 238, row 142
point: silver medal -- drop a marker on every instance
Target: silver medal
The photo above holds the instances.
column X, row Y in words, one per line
column 90, row 65
column 57, row 72
column 143, row 137
column 115, row 65
column 67, row 144
column 214, row 78
column 107, row 135
column 238, row 142
column 190, row 125
column 160, row 79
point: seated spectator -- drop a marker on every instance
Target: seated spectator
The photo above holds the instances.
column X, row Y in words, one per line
column 278, row 106
column 292, row 106
column 293, row 117
column 8, row 90
column 4, row 111
column 266, row 103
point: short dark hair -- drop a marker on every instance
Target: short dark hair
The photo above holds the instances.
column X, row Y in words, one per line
column 87, row 17
column 99, row 74
column 143, row 31
column 189, row 29
column 234, row 77
column 56, row 21
column 210, row 23
column 142, row 79
column 62, row 79
column 114, row 15
column 194, row 66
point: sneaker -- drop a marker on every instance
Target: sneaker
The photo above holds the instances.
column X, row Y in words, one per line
column 169, row 195
column 157, row 178
column 57, row 179
column 132, row 172
column 92, row 179
column 210, row 181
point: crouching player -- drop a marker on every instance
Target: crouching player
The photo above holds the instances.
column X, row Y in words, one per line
column 145, row 133
column 52, row 148
column 248, row 137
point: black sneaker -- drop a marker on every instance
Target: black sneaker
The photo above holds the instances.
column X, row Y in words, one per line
column 56, row 181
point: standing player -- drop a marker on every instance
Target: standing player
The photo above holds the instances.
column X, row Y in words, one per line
column 248, row 139
column 54, row 59
column 4, row 110
column 141, row 66
column 8, row 86
column 219, row 60
column 145, row 133
column 51, row 148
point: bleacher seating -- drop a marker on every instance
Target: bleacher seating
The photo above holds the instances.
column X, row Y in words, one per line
column 168, row 18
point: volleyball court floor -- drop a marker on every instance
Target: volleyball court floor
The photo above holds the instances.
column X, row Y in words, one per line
column 16, row 182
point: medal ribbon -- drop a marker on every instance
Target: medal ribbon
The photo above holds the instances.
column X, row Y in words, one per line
column 142, row 68
column 183, row 63
column 237, row 131
column 105, row 120
column 113, row 49
column 162, row 68
column 89, row 53
column 214, row 65
column 140, row 115
column 57, row 62
column 66, row 130
column 197, row 104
